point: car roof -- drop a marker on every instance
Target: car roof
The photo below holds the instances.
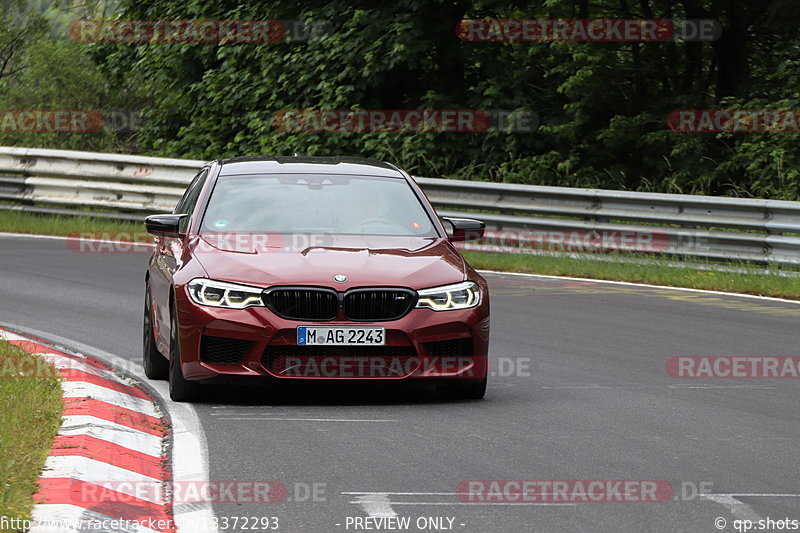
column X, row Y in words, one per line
column 307, row 165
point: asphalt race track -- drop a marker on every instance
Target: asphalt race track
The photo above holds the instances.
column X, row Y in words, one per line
column 583, row 395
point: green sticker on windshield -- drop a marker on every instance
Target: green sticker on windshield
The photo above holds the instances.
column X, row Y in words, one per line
column 221, row 223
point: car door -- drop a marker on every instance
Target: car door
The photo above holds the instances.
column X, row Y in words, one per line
column 167, row 259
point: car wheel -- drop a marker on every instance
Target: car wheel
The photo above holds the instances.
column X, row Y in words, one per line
column 180, row 388
column 155, row 365
column 466, row 390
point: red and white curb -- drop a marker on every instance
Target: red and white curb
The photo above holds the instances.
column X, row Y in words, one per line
column 112, row 442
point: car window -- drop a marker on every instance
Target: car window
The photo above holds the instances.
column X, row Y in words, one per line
column 189, row 200
column 316, row 204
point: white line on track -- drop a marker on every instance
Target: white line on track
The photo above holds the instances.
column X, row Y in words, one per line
column 740, row 494
column 189, row 462
column 518, row 504
column 248, row 414
column 759, row 495
column 721, row 386
column 738, row 509
column 599, row 387
column 681, row 386
column 307, row 419
column 630, row 284
column 410, row 493
column 242, row 407
column 378, row 506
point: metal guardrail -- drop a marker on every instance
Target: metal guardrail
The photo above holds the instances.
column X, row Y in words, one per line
column 520, row 217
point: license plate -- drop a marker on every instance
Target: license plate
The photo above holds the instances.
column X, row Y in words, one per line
column 335, row 336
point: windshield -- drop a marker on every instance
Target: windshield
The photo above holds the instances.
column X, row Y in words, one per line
column 316, row 204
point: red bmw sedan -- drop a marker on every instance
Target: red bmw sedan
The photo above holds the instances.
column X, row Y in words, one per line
column 287, row 268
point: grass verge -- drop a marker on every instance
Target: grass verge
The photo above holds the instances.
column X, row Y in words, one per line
column 30, row 403
column 748, row 281
column 21, row 222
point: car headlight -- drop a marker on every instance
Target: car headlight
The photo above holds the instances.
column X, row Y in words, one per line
column 222, row 294
column 459, row 296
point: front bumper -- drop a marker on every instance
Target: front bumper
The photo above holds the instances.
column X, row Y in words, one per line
column 220, row 344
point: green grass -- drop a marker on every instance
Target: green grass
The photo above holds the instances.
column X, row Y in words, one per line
column 750, row 281
column 31, row 415
column 20, row 222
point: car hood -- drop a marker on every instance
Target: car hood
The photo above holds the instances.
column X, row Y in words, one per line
column 413, row 262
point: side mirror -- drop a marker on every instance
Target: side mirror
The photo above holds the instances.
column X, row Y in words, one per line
column 465, row 229
column 164, row 225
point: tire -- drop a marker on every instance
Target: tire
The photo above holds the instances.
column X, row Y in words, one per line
column 155, row 365
column 180, row 388
column 467, row 390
